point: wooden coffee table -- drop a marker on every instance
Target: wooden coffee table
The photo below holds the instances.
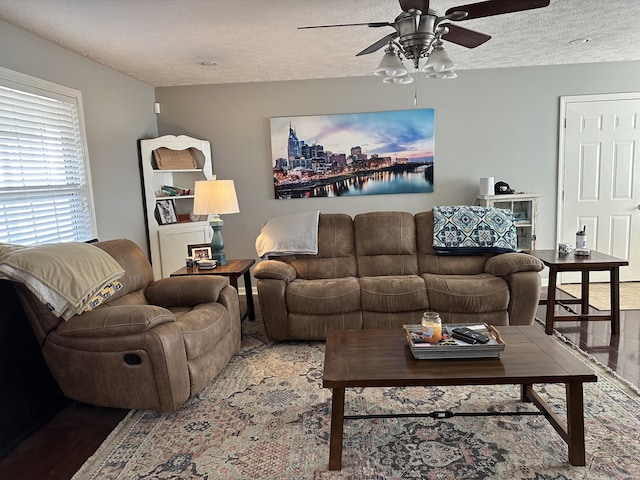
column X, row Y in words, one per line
column 382, row 358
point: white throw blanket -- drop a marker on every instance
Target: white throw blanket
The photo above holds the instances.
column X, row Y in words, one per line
column 289, row 235
column 63, row 276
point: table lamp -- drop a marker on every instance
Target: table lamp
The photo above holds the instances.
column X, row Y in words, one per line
column 215, row 198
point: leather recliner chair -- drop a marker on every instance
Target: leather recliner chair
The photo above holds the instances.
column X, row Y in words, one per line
column 152, row 345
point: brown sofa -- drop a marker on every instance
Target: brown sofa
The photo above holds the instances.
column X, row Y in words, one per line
column 152, row 345
column 379, row 270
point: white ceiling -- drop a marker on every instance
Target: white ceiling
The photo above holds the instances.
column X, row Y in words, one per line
column 162, row 42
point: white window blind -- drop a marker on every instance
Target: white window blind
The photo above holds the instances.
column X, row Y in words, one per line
column 44, row 179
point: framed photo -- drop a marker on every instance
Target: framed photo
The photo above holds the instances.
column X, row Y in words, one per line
column 166, row 212
column 199, row 251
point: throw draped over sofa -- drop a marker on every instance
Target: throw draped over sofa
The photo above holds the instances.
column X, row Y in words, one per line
column 379, row 270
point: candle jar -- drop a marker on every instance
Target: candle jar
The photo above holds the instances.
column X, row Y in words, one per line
column 432, row 327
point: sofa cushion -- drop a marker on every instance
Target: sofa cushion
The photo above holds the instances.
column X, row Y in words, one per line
column 336, row 251
column 385, row 244
column 430, row 262
column 467, row 293
column 202, row 326
column 393, row 293
column 323, row 297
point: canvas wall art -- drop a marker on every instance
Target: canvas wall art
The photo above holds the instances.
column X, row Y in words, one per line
column 353, row 154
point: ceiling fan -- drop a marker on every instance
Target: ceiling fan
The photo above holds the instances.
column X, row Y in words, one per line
column 418, row 28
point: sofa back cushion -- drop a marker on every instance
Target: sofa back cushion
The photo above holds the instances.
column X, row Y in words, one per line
column 336, row 256
column 137, row 269
column 385, row 243
column 429, row 261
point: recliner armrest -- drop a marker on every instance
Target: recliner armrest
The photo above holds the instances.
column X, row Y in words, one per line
column 185, row 291
column 507, row 264
column 115, row 321
column 275, row 269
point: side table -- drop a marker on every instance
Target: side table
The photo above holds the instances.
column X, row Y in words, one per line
column 572, row 263
column 234, row 269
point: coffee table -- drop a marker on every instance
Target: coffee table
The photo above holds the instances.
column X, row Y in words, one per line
column 382, row 358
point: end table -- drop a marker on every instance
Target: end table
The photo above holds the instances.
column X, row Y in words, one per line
column 571, row 263
column 234, row 269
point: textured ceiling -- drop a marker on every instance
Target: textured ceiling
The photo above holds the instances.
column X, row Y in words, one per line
column 162, row 42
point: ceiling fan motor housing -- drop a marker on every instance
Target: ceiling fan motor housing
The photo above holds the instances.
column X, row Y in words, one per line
column 416, row 33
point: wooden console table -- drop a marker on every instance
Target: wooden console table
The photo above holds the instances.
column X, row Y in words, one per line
column 571, row 263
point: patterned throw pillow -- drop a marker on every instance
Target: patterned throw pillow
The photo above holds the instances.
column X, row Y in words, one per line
column 470, row 229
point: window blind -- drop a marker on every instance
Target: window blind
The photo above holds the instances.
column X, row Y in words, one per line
column 44, row 187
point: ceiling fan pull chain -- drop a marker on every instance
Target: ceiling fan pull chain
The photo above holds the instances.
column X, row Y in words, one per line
column 415, row 95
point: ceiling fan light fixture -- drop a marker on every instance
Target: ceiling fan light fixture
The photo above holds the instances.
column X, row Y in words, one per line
column 439, row 60
column 390, row 65
column 446, row 75
column 403, row 80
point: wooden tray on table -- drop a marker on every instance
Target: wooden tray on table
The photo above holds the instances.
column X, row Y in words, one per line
column 452, row 348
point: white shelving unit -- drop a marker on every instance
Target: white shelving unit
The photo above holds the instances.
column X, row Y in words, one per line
column 525, row 211
column 168, row 242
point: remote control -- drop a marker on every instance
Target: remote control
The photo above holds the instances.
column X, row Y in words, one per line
column 469, row 336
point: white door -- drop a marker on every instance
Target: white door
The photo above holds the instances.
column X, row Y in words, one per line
column 600, row 177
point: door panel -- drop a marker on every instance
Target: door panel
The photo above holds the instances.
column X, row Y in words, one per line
column 601, row 179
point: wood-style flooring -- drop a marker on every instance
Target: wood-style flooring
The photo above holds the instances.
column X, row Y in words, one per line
column 61, row 446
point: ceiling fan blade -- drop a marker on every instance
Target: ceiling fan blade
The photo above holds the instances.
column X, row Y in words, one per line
column 378, row 45
column 497, row 7
column 369, row 24
column 464, row 36
column 422, row 5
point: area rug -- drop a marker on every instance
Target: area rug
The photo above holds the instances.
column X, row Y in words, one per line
column 599, row 295
column 267, row 417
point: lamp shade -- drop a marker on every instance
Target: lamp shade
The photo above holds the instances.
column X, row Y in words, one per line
column 404, row 79
column 439, row 60
column 390, row 65
column 215, row 197
column 446, row 75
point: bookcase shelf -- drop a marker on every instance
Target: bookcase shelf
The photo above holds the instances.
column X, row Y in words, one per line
column 170, row 231
column 525, row 212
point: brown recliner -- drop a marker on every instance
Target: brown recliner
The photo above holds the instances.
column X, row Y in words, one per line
column 152, row 345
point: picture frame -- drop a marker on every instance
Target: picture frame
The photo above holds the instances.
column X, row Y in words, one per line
column 166, row 212
column 199, row 251
column 520, row 216
column 353, row 154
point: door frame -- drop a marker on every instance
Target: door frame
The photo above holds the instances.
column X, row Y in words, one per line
column 564, row 100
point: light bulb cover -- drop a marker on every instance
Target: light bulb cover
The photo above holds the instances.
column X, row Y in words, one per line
column 446, row 75
column 439, row 60
column 390, row 65
column 403, row 80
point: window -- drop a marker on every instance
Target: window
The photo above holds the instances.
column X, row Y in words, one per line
column 45, row 193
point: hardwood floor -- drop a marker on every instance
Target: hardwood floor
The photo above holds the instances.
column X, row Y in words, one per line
column 62, row 445
column 620, row 353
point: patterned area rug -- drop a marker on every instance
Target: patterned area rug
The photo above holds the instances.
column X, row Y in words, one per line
column 267, row 417
column 599, row 295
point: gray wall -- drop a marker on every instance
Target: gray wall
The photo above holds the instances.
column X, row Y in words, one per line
column 496, row 122
column 118, row 111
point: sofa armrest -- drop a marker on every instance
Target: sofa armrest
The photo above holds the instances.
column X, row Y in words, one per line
column 275, row 269
column 115, row 321
column 507, row 264
column 185, row 291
